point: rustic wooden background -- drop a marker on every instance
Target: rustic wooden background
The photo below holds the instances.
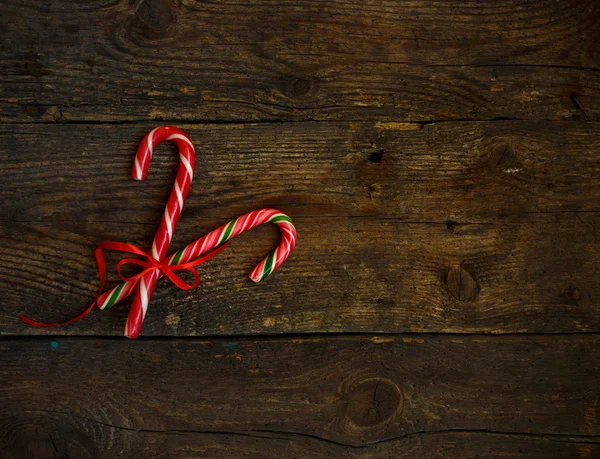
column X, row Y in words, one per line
column 441, row 160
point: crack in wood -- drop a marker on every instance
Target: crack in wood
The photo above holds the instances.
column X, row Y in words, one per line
column 560, row 437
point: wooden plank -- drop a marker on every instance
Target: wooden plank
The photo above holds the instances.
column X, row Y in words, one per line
column 362, row 396
column 386, row 60
column 456, row 227
column 462, row 172
column 345, row 275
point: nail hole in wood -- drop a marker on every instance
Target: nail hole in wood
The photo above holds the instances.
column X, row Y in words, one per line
column 375, row 156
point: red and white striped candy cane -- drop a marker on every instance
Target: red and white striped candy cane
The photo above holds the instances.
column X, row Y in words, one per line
column 244, row 223
column 217, row 238
column 164, row 233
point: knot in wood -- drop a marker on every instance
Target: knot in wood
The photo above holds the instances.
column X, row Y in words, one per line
column 301, row 86
column 372, row 402
column 461, row 284
column 502, row 157
column 157, row 15
column 572, row 294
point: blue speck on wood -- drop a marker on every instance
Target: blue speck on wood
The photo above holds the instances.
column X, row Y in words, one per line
column 54, row 344
column 231, row 345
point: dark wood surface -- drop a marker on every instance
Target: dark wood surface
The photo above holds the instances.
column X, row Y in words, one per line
column 299, row 60
column 440, row 160
column 362, row 396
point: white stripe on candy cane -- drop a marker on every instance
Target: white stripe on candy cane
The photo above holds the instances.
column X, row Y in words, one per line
column 138, row 170
column 151, row 141
column 187, row 165
column 179, row 195
column 168, row 222
column 181, row 137
column 143, row 297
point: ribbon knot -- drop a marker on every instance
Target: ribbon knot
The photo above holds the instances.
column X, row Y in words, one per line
column 152, row 264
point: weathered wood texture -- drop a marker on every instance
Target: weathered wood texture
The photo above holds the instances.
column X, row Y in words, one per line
column 485, row 223
column 457, row 227
column 362, row 396
column 384, row 60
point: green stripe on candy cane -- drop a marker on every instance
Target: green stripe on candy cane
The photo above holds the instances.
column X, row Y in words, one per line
column 281, row 218
column 177, row 257
column 268, row 265
column 114, row 296
column 227, row 231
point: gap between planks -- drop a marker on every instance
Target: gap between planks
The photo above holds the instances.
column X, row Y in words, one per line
column 307, row 337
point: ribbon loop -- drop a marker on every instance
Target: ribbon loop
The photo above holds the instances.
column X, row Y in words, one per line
column 178, row 281
column 134, row 261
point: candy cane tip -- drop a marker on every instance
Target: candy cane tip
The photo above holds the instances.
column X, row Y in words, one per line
column 131, row 332
column 255, row 278
column 131, row 335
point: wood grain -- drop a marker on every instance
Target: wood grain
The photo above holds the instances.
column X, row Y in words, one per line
column 302, row 60
column 456, row 172
column 362, row 396
column 440, row 160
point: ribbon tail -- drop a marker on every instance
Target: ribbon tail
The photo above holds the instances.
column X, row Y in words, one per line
column 101, row 273
column 75, row 319
column 169, row 270
column 200, row 260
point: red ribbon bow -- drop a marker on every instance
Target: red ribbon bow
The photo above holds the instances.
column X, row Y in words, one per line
column 149, row 264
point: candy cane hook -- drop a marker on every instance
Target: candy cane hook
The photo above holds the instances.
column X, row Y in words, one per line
column 164, row 233
column 241, row 224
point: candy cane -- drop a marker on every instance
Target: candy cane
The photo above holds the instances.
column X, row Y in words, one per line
column 247, row 221
column 164, row 233
column 217, row 238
